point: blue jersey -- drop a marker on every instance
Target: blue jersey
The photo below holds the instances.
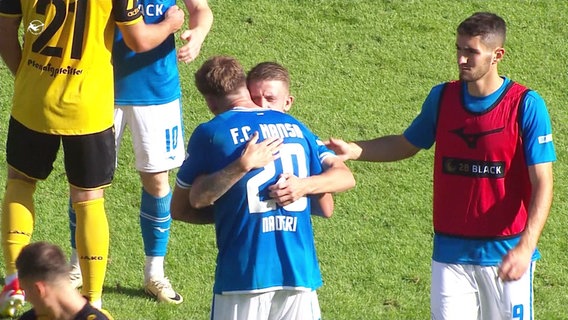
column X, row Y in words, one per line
column 538, row 147
column 262, row 246
column 151, row 77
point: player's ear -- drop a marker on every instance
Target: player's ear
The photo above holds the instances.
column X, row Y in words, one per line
column 498, row 54
column 288, row 104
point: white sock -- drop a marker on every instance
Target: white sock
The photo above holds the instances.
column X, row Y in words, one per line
column 10, row 277
column 97, row 304
column 153, row 268
column 74, row 259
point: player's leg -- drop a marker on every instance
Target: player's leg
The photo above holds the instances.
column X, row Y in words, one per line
column 89, row 164
column 18, row 207
column 453, row 293
column 157, row 136
column 75, row 275
column 510, row 300
column 242, row 306
column 291, row 305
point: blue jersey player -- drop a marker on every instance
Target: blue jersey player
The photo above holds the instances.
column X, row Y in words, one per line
column 266, row 264
column 492, row 179
column 148, row 102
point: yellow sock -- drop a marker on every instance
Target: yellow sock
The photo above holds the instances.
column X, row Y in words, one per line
column 17, row 220
column 92, row 237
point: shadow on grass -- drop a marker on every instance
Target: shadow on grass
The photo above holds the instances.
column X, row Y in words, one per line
column 125, row 290
column 118, row 289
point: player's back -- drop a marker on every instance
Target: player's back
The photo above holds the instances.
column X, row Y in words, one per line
column 263, row 245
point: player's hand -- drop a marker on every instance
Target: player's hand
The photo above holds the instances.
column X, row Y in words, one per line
column 175, row 17
column 341, row 148
column 515, row 263
column 191, row 48
column 257, row 155
column 288, row 189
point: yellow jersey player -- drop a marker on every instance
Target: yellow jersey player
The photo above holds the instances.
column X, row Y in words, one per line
column 63, row 94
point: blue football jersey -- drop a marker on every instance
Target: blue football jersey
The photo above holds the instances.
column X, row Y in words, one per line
column 151, row 77
column 262, row 246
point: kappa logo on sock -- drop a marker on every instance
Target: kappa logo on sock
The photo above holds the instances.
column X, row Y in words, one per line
column 162, row 230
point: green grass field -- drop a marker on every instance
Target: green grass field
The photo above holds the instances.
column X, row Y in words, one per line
column 360, row 69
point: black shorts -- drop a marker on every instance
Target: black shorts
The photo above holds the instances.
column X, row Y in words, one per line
column 89, row 159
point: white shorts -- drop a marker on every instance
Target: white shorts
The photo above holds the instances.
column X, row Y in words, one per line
column 157, row 135
column 281, row 304
column 470, row 292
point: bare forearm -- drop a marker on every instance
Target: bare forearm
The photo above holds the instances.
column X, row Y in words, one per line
column 196, row 216
column 181, row 209
column 334, row 179
column 322, row 205
column 140, row 37
column 200, row 19
column 383, row 149
column 147, row 37
column 208, row 188
column 10, row 48
column 540, row 203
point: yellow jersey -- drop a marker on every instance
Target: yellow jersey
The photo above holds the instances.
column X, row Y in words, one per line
column 64, row 83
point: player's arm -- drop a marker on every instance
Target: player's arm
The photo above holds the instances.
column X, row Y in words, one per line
column 181, row 209
column 10, row 47
column 335, row 178
column 206, row 189
column 142, row 37
column 322, row 205
column 382, row 149
column 200, row 21
column 517, row 260
column 421, row 134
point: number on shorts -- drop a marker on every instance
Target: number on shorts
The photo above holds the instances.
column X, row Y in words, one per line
column 172, row 138
column 290, row 154
column 518, row 312
column 79, row 8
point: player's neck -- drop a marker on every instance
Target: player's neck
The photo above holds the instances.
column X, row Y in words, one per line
column 485, row 86
column 69, row 305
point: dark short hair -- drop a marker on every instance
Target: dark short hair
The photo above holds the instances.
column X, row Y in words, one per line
column 220, row 76
column 491, row 27
column 42, row 261
column 268, row 71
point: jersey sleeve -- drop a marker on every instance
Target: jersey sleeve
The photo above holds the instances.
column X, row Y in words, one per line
column 10, row 8
column 196, row 162
column 422, row 131
column 537, row 130
column 126, row 12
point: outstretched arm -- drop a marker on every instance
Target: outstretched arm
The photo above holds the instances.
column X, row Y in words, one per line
column 142, row 37
column 200, row 21
column 206, row 189
column 516, row 262
column 383, row 149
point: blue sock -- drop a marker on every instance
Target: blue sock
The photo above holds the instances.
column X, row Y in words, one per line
column 155, row 221
column 72, row 225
